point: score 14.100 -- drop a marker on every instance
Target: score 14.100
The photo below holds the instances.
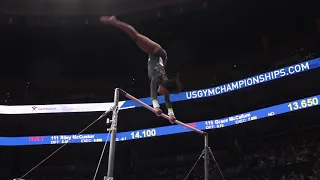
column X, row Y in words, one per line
column 143, row 134
column 303, row 104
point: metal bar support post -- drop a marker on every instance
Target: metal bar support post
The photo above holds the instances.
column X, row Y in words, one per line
column 206, row 157
column 112, row 148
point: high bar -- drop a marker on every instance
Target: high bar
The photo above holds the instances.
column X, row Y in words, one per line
column 162, row 115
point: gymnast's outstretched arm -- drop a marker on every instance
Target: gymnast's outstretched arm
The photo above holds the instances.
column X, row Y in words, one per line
column 146, row 44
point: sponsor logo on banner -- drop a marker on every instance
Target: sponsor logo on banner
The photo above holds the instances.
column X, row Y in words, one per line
column 35, row 108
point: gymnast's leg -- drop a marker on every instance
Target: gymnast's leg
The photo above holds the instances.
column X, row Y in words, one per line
column 142, row 41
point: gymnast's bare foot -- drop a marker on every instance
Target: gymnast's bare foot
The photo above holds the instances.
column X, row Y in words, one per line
column 108, row 19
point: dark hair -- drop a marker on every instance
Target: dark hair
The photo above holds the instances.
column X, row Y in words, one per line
column 172, row 85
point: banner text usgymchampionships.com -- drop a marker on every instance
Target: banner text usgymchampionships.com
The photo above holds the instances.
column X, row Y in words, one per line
column 249, row 81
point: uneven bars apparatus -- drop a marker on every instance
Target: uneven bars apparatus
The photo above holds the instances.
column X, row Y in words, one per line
column 113, row 129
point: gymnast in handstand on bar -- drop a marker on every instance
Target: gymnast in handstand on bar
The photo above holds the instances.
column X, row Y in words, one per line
column 156, row 66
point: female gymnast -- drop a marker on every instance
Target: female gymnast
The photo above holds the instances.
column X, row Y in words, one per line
column 156, row 66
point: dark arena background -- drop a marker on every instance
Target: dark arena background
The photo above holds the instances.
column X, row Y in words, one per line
column 250, row 75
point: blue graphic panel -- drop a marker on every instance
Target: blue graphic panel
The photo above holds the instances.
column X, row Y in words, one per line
column 166, row 130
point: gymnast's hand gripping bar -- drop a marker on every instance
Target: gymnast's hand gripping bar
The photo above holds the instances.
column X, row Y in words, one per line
column 162, row 115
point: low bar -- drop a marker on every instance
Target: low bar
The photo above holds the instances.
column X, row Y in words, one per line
column 162, row 115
